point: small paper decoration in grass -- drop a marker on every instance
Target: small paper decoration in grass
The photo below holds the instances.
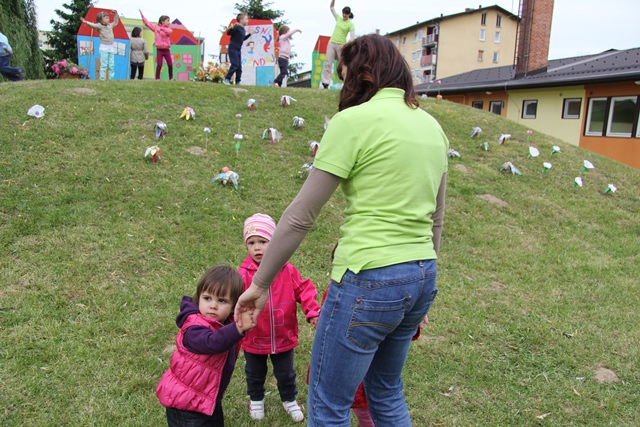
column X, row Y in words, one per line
column 529, row 132
column 610, row 189
column 587, row 165
column 161, row 130
column 207, row 131
column 251, row 104
column 306, row 168
column 272, row 133
column 476, row 131
column 533, row 152
column 509, row 167
column 503, row 138
column 298, row 122
column 285, row 100
column 424, row 96
column 313, row 146
column 36, row 111
column 485, row 146
column 453, row 153
column 326, row 122
column 153, row 151
column 546, row 166
column 188, row 113
column 226, row 176
column 238, row 136
column 577, row 182
column 555, row 149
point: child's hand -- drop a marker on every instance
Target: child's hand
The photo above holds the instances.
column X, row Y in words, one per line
column 140, row 10
column 83, row 20
column 424, row 322
column 314, row 322
column 246, row 320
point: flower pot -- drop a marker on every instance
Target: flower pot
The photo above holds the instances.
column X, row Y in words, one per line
column 69, row 76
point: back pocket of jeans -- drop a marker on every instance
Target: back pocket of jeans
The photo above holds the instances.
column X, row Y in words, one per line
column 372, row 321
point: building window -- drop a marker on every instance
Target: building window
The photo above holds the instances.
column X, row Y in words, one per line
column 480, row 55
column 495, row 57
column 404, row 40
column 415, row 36
column 595, row 116
column 397, row 41
column 571, row 108
column 483, row 19
column 483, row 34
column 477, row 104
column 622, row 113
column 497, row 37
column 529, row 109
column 187, row 58
column 498, row 20
column 496, row 107
column 420, row 36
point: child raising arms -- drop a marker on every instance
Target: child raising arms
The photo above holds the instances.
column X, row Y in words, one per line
column 284, row 36
column 206, row 352
column 276, row 334
column 105, row 30
column 162, row 41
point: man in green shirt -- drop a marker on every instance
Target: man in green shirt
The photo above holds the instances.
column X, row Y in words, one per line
column 344, row 26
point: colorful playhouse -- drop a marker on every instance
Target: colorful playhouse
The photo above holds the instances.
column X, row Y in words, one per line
column 89, row 45
column 259, row 63
column 318, row 56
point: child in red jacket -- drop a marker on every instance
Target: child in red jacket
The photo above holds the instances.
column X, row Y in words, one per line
column 276, row 333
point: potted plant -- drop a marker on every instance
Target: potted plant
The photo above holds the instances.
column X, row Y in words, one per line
column 65, row 69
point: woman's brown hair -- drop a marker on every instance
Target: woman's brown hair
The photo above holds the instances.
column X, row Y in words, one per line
column 370, row 63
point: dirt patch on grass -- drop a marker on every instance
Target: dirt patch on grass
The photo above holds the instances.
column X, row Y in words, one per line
column 83, row 90
column 198, row 151
column 238, row 90
column 494, row 200
column 605, row 376
column 461, row 168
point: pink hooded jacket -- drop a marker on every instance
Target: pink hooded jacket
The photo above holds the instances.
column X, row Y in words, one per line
column 192, row 381
column 163, row 34
column 277, row 328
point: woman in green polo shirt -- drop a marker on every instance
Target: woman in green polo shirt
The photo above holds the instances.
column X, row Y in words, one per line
column 344, row 26
column 390, row 159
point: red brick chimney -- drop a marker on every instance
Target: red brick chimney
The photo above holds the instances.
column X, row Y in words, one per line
column 533, row 36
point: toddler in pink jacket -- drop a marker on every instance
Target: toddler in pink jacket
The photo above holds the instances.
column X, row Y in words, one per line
column 276, row 332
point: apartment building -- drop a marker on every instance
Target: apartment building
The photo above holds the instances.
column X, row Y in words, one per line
column 448, row 45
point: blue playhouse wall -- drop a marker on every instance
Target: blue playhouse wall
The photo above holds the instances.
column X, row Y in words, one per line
column 89, row 57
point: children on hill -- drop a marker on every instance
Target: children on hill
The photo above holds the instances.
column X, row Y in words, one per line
column 139, row 53
column 162, row 41
column 202, row 364
column 105, row 31
column 276, row 333
column 238, row 36
column 284, row 36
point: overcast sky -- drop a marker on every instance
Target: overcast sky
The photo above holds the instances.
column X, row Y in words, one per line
column 579, row 27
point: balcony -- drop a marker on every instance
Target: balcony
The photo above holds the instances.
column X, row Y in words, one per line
column 427, row 60
column 430, row 40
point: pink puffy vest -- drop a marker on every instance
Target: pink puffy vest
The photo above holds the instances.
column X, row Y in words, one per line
column 192, row 381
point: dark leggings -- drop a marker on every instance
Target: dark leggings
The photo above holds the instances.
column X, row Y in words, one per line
column 283, row 63
column 139, row 68
column 166, row 54
column 256, row 371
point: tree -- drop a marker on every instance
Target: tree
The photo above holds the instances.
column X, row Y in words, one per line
column 18, row 22
column 63, row 37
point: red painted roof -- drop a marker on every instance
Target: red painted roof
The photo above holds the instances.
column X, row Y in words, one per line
column 119, row 31
column 321, row 44
column 181, row 35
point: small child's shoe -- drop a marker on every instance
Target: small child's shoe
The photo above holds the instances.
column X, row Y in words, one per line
column 226, row 82
column 276, row 84
column 294, row 410
column 256, row 407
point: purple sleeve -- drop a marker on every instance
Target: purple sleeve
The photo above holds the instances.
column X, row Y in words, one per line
column 202, row 340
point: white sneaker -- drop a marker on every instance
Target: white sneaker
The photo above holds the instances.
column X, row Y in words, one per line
column 256, row 409
column 226, row 82
column 294, row 410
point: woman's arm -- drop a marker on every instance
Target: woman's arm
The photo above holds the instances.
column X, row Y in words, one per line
column 438, row 215
column 333, row 11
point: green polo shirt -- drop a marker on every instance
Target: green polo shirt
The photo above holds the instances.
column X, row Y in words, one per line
column 341, row 30
column 391, row 159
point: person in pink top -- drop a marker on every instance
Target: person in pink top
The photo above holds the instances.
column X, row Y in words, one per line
column 284, row 37
column 162, row 42
column 276, row 333
column 206, row 351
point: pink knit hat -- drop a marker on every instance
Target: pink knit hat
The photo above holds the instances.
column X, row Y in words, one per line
column 259, row 225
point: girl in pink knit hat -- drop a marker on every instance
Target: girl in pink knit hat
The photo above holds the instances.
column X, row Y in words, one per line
column 276, row 333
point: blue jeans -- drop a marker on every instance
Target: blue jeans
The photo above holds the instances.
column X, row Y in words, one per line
column 283, row 63
column 235, row 58
column 364, row 333
column 12, row 73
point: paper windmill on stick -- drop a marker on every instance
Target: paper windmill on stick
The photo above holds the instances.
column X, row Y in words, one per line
column 272, row 133
column 36, row 111
column 610, row 189
column 285, row 100
column 453, row 153
column 154, row 152
column 587, row 165
column 188, row 113
column 503, row 138
column 577, row 182
column 161, row 130
column 476, row 131
column 546, row 166
column 485, row 146
column 555, row 149
column 306, row 169
column 529, row 132
column 251, row 104
column 313, row 146
column 533, row 152
column 509, row 167
column 238, row 136
column 298, row 122
column 207, row 131
column 226, row 176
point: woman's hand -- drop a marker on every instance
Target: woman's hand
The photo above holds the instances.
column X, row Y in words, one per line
column 255, row 299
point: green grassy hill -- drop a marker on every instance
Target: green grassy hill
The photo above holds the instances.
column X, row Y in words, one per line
column 538, row 279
